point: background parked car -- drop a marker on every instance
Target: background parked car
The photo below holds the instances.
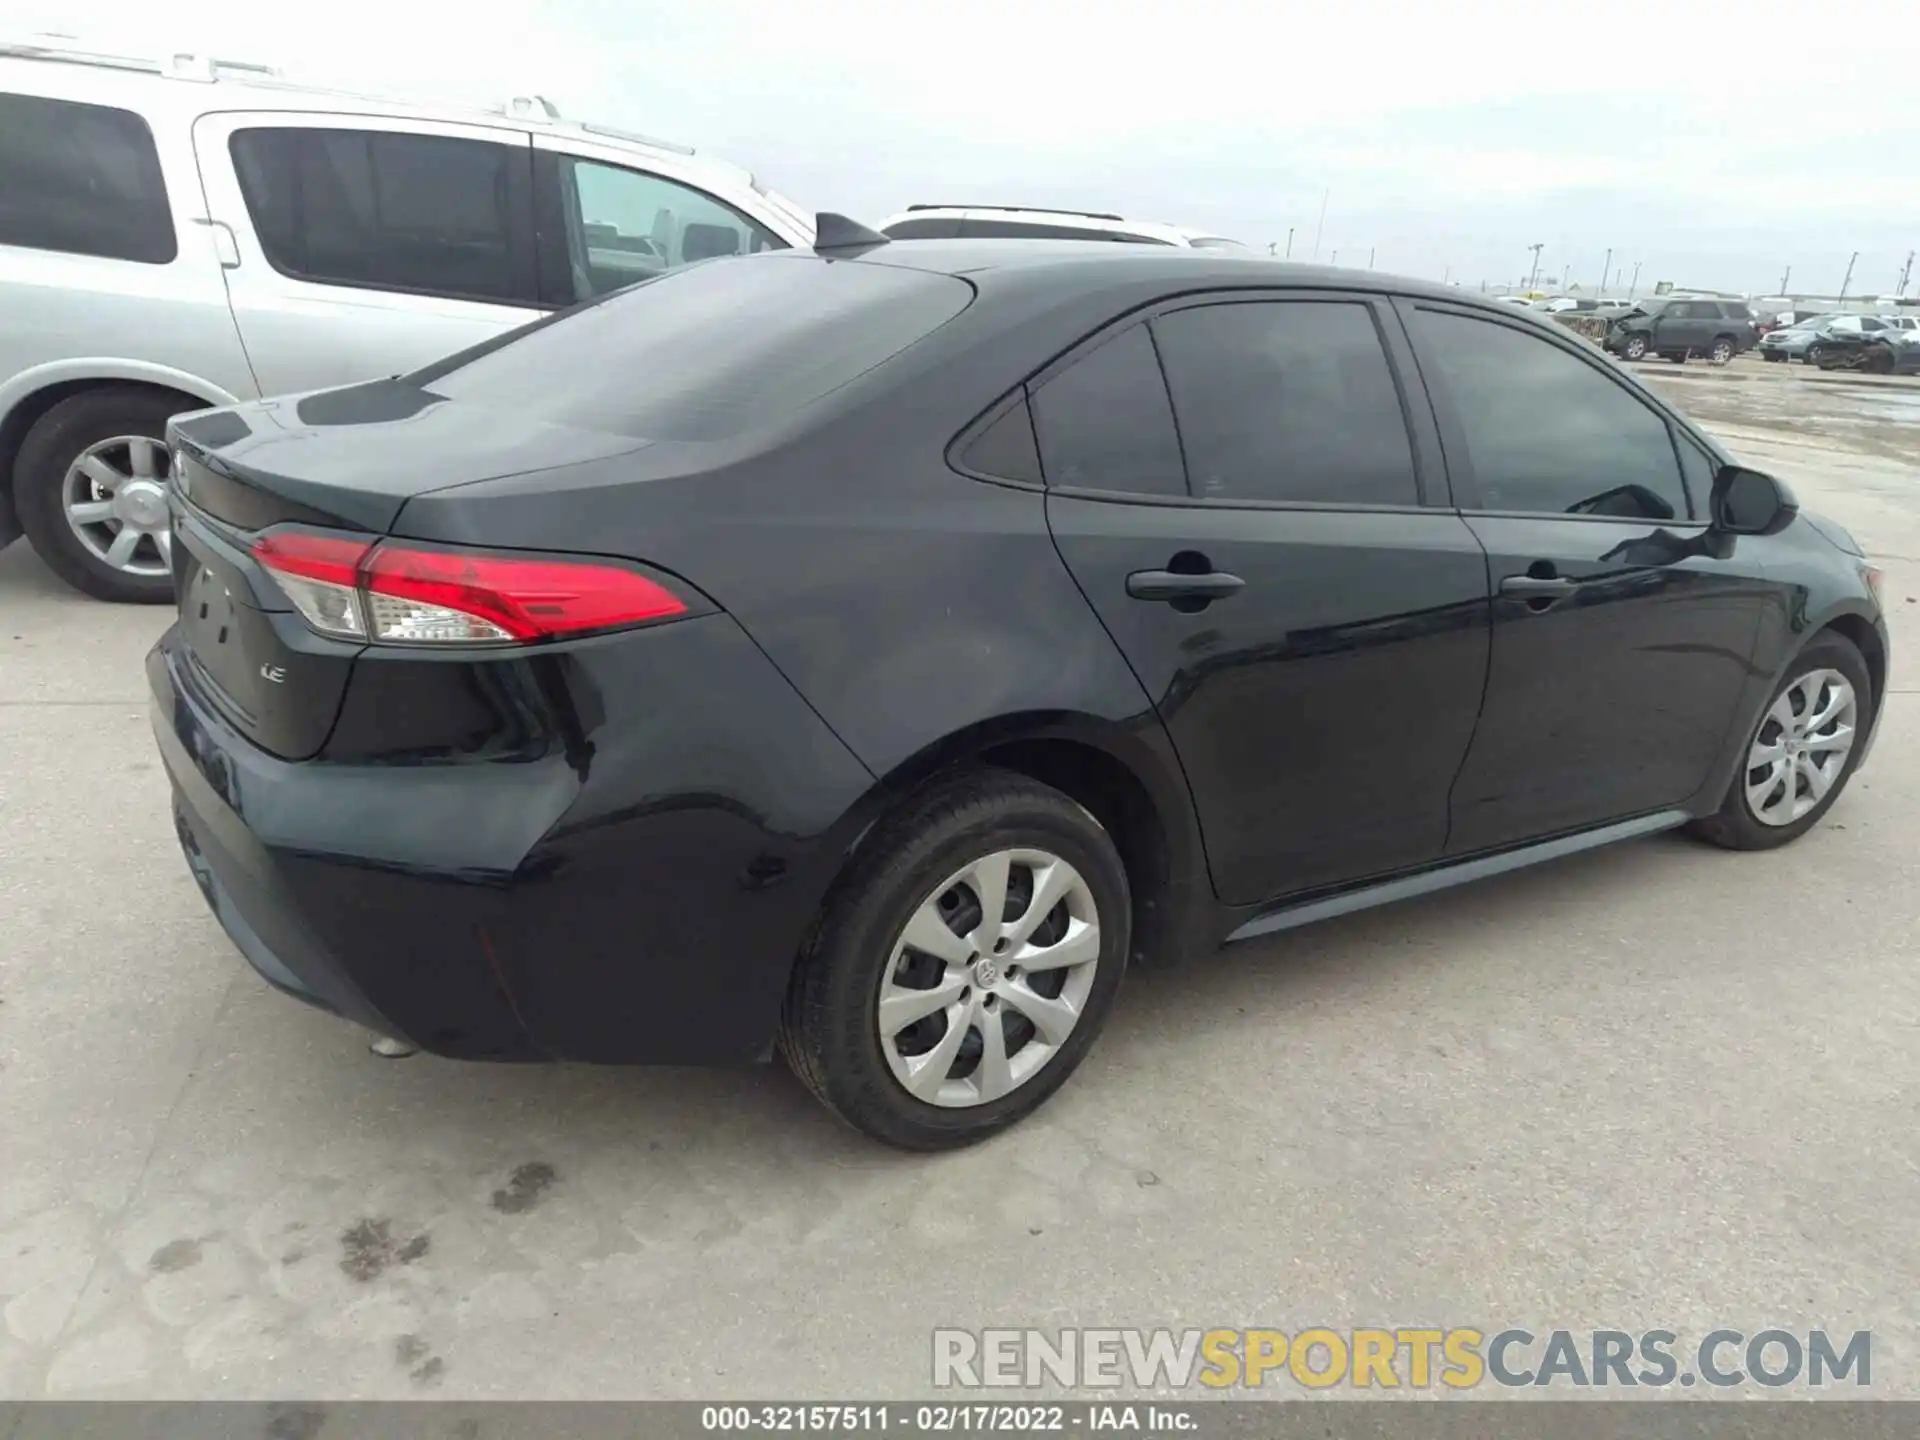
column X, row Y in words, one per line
column 1676, row 328
column 1890, row 351
column 168, row 245
column 1030, row 222
column 1810, row 339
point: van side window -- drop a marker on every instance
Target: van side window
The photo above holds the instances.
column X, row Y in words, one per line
column 387, row 210
column 82, row 180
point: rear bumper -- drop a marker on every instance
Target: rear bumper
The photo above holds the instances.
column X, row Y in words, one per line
column 634, row 895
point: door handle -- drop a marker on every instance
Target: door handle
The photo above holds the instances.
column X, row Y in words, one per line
column 1172, row 585
column 1539, row 591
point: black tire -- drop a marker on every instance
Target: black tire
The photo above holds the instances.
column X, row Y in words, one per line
column 1634, row 347
column 1816, row 354
column 1734, row 825
column 1724, row 349
column 829, row 1035
column 40, row 470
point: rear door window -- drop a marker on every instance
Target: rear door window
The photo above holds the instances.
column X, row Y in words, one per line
column 705, row 352
column 392, row 210
column 1287, row 401
column 82, row 180
column 1104, row 423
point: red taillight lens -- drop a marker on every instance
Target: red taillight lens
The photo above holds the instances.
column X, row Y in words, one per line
column 352, row 587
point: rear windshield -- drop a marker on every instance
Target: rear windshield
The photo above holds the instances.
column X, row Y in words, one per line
column 706, row 351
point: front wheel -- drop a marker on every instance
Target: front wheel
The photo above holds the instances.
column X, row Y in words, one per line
column 1801, row 754
column 1817, row 356
column 1634, row 347
column 965, row 965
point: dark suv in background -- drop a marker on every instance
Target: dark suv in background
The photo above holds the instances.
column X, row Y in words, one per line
column 1676, row 330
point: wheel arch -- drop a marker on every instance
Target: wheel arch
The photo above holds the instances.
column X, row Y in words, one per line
column 1124, row 775
column 30, row 394
column 1860, row 630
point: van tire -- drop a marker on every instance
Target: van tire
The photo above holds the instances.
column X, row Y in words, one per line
column 56, row 440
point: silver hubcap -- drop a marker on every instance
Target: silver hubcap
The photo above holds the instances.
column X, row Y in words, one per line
column 989, row 978
column 1801, row 748
column 1636, row 348
column 115, row 497
column 1722, row 353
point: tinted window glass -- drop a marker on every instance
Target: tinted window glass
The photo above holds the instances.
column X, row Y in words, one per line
column 1737, row 311
column 1546, row 431
column 626, row 225
column 1006, row 448
column 390, row 211
column 706, row 351
column 1105, row 424
column 1867, row 322
column 1287, row 401
column 925, row 229
column 82, row 179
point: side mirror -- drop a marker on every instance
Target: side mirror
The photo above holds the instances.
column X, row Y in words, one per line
column 1747, row 502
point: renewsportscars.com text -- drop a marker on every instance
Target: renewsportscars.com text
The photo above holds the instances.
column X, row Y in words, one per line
column 1401, row 1357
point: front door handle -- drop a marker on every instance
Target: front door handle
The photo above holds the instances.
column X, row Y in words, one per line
column 1172, row 585
column 1539, row 591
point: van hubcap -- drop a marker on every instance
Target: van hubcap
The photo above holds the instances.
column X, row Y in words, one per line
column 115, row 499
column 989, row 978
column 1801, row 747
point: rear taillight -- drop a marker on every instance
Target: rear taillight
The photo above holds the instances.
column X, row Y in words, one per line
column 353, row 587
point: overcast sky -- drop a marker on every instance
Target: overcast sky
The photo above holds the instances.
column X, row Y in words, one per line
column 1713, row 143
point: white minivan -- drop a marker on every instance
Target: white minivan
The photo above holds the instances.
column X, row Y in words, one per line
column 179, row 233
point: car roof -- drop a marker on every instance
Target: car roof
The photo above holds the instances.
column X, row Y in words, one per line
column 1093, row 265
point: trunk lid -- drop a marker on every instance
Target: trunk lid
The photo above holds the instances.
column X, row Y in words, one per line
column 340, row 459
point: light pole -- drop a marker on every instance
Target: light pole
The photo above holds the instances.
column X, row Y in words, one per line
column 1535, row 273
column 1321, row 224
column 1785, row 276
column 1906, row 274
column 1289, row 254
column 1636, row 280
column 1847, row 279
column 1605, row 266
column 1370, row 250
column 1336, row 259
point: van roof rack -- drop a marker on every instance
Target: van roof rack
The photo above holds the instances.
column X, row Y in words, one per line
column 1027, row 210
column 179, row 65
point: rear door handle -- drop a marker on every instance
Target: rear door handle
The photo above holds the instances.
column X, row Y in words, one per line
column 1172, row 585
column 1538, row 587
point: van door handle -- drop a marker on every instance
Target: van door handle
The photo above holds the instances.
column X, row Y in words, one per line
column 1172, row 585
column 225, row 245
column 1538, row 587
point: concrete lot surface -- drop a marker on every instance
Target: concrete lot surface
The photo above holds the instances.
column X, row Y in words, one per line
column 1658, row 1086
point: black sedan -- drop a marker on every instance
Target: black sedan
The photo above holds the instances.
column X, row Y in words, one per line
column 871, row 653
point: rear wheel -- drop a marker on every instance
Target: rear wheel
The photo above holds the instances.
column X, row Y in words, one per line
column 1722, row 350
column 90, row 483
column 965, row 965
column 1817, row 355
column 1801, row 754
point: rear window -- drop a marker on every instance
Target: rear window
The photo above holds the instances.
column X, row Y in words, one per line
column 706, row 351
column 83, row 180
